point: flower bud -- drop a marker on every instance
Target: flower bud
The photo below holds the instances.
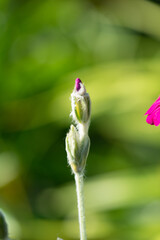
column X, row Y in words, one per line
column 84, row 150
column 81, row 104
column 77, row 151
column 72, row 142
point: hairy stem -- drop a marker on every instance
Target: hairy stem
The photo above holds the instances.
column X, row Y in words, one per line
column 83, row 129
column 80, row 202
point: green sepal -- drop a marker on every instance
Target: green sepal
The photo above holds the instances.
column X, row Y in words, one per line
column 83, row 154
column 82, row 108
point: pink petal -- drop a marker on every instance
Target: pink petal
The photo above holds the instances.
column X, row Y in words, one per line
column 156, row 117
column 156, row 123
column 149, row 120
column 154, row 106
column 77, row 84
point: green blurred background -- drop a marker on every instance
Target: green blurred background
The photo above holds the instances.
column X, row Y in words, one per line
column 114, row 47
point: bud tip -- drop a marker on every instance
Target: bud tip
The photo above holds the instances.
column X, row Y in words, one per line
column 77, row 84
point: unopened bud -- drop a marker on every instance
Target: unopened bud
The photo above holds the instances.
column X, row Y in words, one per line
column 84, row 150
column 72, row 142
column 77, row 151
column 81, row 104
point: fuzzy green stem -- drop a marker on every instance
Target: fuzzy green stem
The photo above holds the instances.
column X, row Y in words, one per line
column 80, row 202
column 83, row 130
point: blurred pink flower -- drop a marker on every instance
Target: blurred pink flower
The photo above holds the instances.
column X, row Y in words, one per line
column 153, row 113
